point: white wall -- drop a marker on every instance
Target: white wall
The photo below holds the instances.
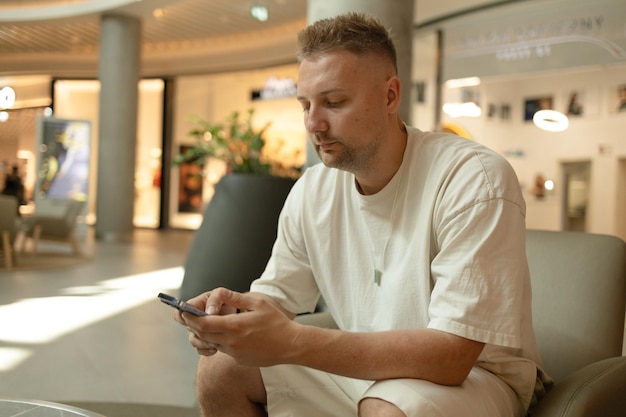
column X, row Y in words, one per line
column 598, row 136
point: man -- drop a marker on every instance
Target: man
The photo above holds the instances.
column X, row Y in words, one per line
column 13, row 185
column 416, row 243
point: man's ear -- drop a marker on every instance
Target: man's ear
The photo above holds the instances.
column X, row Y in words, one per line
column 393, row 94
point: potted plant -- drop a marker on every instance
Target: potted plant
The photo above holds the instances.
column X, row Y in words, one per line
column 238, row 144
column 239, row 225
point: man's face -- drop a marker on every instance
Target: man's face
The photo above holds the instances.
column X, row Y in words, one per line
column 344, row 98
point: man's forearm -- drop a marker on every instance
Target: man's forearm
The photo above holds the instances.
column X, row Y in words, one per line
column 432, row 355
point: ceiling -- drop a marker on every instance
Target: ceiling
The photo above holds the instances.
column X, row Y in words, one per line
column 60, row 38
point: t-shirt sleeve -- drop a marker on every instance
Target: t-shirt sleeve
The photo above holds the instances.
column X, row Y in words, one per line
column 480, row 269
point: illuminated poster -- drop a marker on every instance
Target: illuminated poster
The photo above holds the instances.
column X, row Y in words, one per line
column 63, row 156
column 190, row 185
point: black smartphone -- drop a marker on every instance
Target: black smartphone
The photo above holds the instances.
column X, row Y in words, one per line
column 181, row 305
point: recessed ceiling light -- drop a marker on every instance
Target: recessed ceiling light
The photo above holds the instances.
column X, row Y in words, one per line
column 7, row 97
column 260, row 13
column 463, row 82
column 158, row 13
column 551, row 120
column 468, row 109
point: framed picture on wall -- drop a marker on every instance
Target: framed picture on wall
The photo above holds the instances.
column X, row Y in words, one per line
column 533, row 105
column 575, row 103
column 505, row 111
column 470, row 95
column 501, row 111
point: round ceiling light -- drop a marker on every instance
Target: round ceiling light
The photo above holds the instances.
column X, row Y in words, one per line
column 260, row 13
column 7, row 97
column 551, row 120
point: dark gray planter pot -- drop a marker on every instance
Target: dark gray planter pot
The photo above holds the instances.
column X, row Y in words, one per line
column 234, row 241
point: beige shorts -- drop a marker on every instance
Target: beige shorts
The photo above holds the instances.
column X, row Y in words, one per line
column 295, row 391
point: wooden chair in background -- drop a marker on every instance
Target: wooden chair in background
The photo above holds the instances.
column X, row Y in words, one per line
column 8, row 228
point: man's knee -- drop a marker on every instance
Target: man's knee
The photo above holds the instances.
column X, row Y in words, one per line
column 215, row 368
column 220, row 378
column 376, row 407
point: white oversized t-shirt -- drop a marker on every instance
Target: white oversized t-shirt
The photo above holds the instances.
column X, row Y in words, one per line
column 441, row 246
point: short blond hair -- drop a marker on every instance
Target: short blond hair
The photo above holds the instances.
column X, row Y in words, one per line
column 353, row 32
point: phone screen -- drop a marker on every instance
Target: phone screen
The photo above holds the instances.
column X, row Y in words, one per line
column 181, row 305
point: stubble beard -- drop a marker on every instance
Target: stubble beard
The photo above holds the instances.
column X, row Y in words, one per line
column 349, row 158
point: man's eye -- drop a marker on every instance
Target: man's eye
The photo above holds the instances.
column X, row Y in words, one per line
column 330, row 103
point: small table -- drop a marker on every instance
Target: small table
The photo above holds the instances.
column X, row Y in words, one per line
column 10, row 407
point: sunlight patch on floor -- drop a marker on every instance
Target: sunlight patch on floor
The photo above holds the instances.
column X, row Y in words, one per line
column 12, row 357
column 45, row 319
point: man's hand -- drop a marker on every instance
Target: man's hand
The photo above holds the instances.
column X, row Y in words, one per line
column 261, row 335
column 264, row 335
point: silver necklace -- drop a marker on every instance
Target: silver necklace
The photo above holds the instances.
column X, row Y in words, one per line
column 379, row 261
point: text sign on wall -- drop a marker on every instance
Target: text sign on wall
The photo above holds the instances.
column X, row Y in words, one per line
column 276, row 88
column 535, row 35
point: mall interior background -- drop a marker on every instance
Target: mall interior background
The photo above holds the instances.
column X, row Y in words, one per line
column 524, row 52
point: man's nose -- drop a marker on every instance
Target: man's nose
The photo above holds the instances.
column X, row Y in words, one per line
column 315, row 120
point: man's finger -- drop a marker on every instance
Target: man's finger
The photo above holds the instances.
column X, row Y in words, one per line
column 239, row 300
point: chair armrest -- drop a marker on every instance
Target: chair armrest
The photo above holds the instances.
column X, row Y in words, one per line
column 598, row 389
column 322, row 319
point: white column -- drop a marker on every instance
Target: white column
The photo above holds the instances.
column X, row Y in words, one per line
column 120, row 51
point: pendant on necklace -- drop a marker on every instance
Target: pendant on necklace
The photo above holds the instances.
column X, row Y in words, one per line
column 378, row 275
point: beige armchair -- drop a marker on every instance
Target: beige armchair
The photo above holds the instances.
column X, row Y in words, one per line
column 53, row 220
column 579, row 302
column 8, row 229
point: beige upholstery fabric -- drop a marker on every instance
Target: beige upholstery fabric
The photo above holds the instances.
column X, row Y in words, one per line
column 597, row 390
column 579, row 285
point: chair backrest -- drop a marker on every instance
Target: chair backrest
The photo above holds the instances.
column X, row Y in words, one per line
column 579, row 297
column 56, row 207
column 74, row 210
column 57, row 217
column 8, row 215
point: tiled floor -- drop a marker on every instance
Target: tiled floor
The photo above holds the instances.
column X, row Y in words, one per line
column 96, row 331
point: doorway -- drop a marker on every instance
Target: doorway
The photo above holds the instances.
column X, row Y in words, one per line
column 575, row 200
